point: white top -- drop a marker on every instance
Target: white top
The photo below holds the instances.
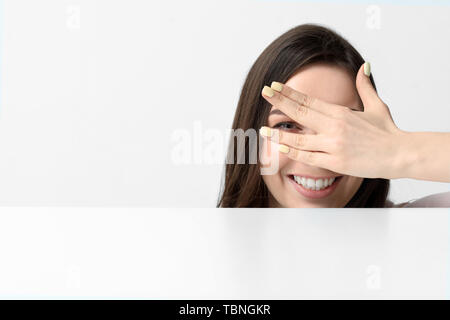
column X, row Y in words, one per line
column 438, row 200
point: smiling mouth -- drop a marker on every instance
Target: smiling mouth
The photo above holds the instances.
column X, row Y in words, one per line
column 314, row 184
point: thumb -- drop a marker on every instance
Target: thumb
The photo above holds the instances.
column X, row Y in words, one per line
column 369, row 97
column 365, row 89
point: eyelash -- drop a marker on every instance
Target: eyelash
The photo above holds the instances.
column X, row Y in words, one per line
column 278, row 125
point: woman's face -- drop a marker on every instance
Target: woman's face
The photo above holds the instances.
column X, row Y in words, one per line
column 332, row 84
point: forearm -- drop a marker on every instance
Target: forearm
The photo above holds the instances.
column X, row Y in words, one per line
column 424, row 156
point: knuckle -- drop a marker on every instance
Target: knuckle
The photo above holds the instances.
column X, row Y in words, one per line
column 345, row 110
column 340, row 127
column 300, row 140
column 310, row 157
column 310, row 101
column 301, row 111
column 306, row 100
column 342, row 112
column 281, row 98
column 338, row 143
column 294, row 154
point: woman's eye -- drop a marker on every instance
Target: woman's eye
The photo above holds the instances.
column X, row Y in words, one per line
column 287, row 125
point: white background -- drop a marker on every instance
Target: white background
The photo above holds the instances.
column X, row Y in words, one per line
column 92, row 91
column 158, row 253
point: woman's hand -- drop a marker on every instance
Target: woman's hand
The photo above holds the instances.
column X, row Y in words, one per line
column 363, row 144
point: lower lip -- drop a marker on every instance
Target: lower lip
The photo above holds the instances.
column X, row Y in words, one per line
column 313, row 194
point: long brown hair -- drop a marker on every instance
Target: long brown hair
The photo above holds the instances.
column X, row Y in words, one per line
column 299, row 46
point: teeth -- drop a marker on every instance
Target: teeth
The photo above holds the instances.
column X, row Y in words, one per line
column 312, row 184
column 320, row 184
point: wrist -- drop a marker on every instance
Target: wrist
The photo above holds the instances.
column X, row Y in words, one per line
column 406, row 154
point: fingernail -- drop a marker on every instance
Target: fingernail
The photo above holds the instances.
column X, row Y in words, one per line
column 277, row 86
column 265, row 131
column 267, row 91
column 367, row 69
column 283, row 148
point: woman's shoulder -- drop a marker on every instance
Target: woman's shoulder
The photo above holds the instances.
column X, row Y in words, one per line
column 437, row 200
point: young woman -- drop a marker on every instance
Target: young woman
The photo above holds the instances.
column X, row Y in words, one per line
column 333, row 139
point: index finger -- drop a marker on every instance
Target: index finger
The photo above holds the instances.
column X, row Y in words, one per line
column 303, row 115
column 306, row 100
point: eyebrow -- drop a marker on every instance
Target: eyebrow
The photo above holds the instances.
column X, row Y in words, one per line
column 277, row 111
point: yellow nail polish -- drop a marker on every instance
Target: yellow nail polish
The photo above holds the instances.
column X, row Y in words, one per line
column 277, row 86
column 266, row 131
column 267, row 91
column 283, row 148
column 367, row 69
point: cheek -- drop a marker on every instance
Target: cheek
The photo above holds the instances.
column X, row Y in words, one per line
column 351, row 185
column 355, row 182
